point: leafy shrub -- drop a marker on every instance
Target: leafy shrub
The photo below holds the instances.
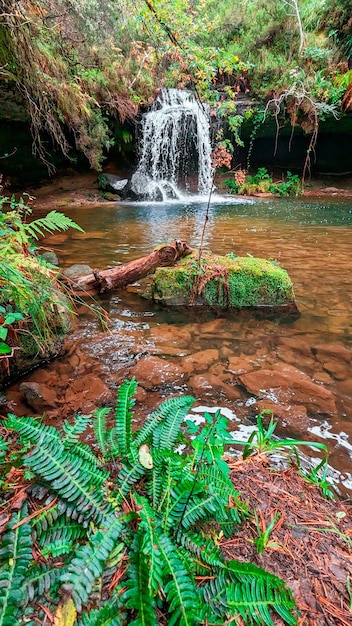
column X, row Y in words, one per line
column 32, row 303
column 126, row 534
column 261, row 182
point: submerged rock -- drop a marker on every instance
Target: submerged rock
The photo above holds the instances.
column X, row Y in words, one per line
column 224, row 282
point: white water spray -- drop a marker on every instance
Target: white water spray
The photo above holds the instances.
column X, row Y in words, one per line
column 175, row 137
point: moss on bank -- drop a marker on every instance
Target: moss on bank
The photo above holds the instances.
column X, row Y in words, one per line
column 223, row 281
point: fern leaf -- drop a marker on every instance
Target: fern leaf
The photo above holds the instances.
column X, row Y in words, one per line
column 123, row 415
column 218, row 482
column 138, row 595
column 15, row 559
column 73, row 431
column 173, row 413
column 31, row 429
column 88, row 563
column 72, row 478
column 60, row 530
column 100, row 428
column 50, row 223
column 204, row 549
column 180, row 590
column 40, row 579
column 105, row 616
column 128, row 475
column 147, row 526
column 254, row 600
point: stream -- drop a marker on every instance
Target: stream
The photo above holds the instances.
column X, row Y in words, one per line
column 299, row 367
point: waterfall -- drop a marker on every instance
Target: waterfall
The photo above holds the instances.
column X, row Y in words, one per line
column 175, row 144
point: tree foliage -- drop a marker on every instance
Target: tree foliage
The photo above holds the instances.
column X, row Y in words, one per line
column 78, row 65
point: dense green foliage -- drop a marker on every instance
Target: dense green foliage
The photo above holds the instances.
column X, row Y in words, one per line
column 78, row 65
column 261, row 182
column 128, row 534
column 34, row 309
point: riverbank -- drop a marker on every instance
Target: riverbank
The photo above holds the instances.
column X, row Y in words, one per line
column 76, row 189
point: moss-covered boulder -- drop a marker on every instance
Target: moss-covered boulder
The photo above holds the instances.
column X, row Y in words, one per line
column 223, row 282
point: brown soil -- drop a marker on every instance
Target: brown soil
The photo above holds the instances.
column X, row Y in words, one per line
column 310, row 546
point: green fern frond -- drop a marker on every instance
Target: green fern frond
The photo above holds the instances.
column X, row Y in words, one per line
column 214, row 596
column 138, row 595
column 100, row 428
column 107, row 615
column 15, row 559
column 88, row 563
column 73, row 431
column 129, row 474
column 71, row 477
column 148, row 527
column 50, row 223
column 180, row 590
column 245, row 572
column 31, row 429
column 173, row 413
column 61, row 536
column 57, row 548
column 202, row 547
column 255, row 600
column 41, row 579
column 123, row 415
column 212, row 477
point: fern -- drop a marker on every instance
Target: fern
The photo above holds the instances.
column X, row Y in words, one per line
column 15, row 559
column 147, row 526
column 254, row 600
column 61, row 530
column 31, row 429
column 88, row 562
column 123, row 416
column 174, row 412
column 128, row 476
column 50, row 223
column 71, row 477
column 41, row 579
column 100, row 428
column 105, row 616
column 180, row 590
column 138, row 594
column 73, row 431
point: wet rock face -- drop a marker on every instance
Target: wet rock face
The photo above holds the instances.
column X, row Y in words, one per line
column 289, row 387
column 152, row 372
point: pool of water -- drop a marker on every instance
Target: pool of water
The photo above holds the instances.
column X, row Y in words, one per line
column 311, row 239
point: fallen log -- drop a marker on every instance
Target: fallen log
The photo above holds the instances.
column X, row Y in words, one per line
column 123, row 275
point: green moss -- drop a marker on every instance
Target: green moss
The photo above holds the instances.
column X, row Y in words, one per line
column 224, row 282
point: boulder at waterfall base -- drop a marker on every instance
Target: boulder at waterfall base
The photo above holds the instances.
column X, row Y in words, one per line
column 224, row 282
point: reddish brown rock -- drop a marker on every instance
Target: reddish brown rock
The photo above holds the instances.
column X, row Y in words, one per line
column 172, row 335
column 240, row 365
column 209, row 384
column 151, row 372
column 288, row 387
column 38, row 396
column 86, row 393
column 326, row 352
column 293, row 415
column 217, row 328
column 200, row 361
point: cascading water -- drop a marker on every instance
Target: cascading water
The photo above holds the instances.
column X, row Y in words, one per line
column 175, row 142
